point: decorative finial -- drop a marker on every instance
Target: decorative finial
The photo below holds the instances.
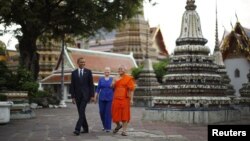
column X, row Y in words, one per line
column 190, row 5
column 216, row 48
column 232, row 25
column 236, row 17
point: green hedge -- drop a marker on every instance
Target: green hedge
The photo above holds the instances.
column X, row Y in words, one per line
column 3, row 97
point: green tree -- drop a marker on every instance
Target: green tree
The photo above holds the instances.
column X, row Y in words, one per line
column 61, row 17
column 136, row 71
column 160, row 69
column 2, row 48
column 25, row 81
column 5, row 76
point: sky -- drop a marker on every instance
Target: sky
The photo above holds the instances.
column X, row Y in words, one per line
column 168, row 14
column 9, row 39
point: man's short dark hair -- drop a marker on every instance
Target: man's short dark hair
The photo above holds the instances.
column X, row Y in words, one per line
column 81, row 58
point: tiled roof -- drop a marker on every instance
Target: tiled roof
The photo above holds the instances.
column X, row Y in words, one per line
column 240, row 36
column 158, row 38
column 95, row 61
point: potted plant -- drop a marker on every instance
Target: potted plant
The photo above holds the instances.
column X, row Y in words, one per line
column 4, row 109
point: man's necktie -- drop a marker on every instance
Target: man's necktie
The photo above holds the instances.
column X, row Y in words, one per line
column 81, row 73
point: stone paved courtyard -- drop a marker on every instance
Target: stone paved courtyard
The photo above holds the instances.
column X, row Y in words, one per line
column 58, row 125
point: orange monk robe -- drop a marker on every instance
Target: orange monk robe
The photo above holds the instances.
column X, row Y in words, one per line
column 121, row 99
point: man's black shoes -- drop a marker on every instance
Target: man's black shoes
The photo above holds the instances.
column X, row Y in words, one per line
column 77, row 133
column 85, row 132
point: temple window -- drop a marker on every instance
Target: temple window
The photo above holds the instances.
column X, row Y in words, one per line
column 237, row 73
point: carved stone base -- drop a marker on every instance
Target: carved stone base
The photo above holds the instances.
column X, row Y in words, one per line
column 143, row 101
column 242, row 104
column 143, row 96
column 192, row 115
column 244, row 109
column 195, row 101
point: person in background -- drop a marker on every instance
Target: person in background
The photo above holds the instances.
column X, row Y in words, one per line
column 82, row 91
column 104, row 92
column 124, row 86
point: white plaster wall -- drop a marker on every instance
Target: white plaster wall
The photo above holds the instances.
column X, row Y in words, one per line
column 243, row 65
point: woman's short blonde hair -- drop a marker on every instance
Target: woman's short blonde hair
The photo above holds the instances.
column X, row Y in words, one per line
column 107, row 69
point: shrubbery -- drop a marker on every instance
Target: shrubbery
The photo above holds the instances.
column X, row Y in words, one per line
column 136, row 71
column 23, row 80
column 44, row 98
column 3, row 97
column 159, row 68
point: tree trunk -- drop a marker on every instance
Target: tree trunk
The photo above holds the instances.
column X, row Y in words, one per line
column 28, row 56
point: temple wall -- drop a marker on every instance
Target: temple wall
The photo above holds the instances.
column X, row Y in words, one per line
column 243, row 66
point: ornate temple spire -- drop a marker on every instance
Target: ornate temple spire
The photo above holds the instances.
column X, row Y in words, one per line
column 216, row 48
column 146, row 53
column 191, row 71
column 147, row 77
column 218, row 59
column 147, row 83
column 190, row 5
column 191, row 27
column 217, row 54
column 132, row 37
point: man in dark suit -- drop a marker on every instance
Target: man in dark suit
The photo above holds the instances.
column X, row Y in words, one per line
column 82, row 91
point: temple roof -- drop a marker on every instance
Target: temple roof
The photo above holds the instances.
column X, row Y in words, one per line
column 95, row 60
column 236, row 43
column 157, row 37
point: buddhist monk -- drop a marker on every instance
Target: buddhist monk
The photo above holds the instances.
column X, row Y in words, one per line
column 124, row 86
